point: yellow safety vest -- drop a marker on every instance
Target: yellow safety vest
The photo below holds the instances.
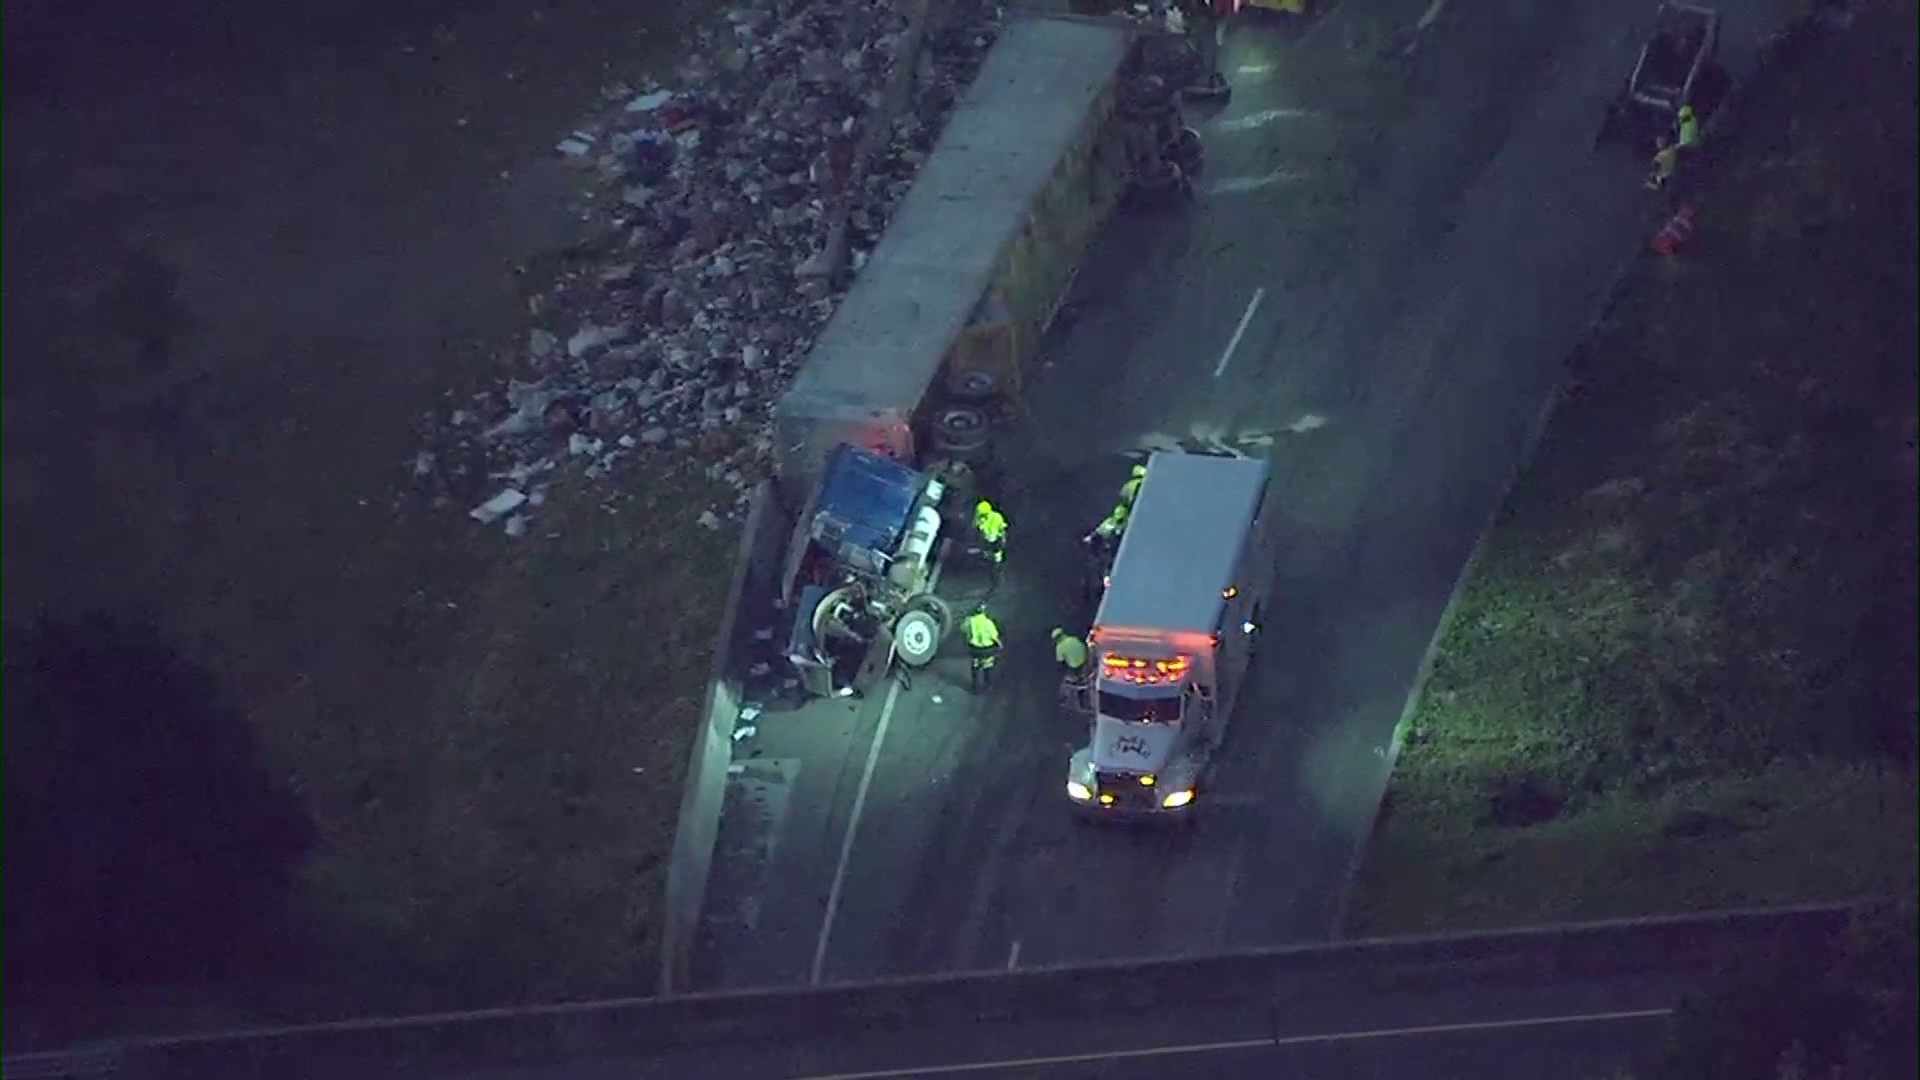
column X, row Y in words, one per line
column 981, row 631
column 1071, row 651
column 990, row 523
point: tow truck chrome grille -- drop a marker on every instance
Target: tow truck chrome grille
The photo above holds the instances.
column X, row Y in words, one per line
column 1127, row 791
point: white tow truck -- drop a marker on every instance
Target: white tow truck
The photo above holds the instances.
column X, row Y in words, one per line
column 1174, row 634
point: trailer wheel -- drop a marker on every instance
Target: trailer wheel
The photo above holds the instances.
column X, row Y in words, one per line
column 960, row 431
column 972, row 387
column 917, row 633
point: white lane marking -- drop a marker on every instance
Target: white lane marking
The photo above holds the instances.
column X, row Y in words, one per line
column 1259, row 119
column 1013, row 956
column 1433, row 12
column 1240, row 185
column 853, row 827
column 1245, row 1044
column 1239, row 332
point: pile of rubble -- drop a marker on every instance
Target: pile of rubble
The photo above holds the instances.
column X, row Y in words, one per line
column 682, row 329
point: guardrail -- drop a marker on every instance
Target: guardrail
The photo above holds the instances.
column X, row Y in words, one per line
column 640, row 1028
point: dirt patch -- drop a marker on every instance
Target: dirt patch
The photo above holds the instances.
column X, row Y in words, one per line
column 1705, row 582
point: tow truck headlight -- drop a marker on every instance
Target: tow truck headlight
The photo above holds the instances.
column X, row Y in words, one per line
column 1174, row 800
column 1078, row 791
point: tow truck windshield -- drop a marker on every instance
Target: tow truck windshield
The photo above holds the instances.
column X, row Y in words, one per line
column 1154, row 710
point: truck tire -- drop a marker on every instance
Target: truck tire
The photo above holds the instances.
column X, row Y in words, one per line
column 918, row 631
column 972, row 387
column 960, row 431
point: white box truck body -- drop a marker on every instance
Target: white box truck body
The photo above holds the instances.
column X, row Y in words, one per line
column 1174, row 636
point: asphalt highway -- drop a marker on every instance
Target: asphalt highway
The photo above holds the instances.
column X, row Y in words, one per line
column 1549, row 1002
column 1455, row 1026
column 1404, row 232
column 1537, row 1047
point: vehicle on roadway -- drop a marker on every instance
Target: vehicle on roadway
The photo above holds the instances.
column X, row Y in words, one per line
column 1174, row 635
column 860, row 573
column 1675, row 68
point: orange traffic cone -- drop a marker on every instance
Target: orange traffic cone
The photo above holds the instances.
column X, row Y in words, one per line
column 1677, row 231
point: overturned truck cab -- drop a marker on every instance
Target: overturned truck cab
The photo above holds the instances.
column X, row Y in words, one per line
column 1174, row 636
column 859, row 578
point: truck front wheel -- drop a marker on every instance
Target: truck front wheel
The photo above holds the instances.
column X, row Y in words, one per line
column 919, row 630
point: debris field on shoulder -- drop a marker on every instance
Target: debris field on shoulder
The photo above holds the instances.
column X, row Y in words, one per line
column 681, row 328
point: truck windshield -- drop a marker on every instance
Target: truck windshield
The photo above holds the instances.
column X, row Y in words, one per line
column 1158, row 710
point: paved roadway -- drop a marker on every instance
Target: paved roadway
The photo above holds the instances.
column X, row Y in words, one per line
column 1394, row 255
column 1551, row 1002
column 1433, row 1027
column 1539, row 1048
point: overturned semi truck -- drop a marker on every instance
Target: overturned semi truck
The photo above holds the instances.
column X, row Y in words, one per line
column 890, row 415
column 860, row 573
column 972, row 267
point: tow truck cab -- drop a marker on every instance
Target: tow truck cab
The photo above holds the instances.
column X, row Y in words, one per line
column 1174, row 634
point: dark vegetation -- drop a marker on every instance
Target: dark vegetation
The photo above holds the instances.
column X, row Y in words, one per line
column 146, row 840
column 249, row 246
column 1803, row 1013
column 1683, row 671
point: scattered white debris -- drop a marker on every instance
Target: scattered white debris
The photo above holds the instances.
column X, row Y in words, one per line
column 499, row 506
column 745, row 731
column 517, row 525
column 590, row 339
column 688, row 313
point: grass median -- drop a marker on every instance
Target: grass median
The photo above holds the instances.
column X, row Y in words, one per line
column 1681, row 674
column 486, row 735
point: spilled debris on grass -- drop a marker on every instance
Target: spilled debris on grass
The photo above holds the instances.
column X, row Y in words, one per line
column 694, row 307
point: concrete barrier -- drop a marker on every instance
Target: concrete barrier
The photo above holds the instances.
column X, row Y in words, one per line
column 699, row 824
column 637, row 1029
